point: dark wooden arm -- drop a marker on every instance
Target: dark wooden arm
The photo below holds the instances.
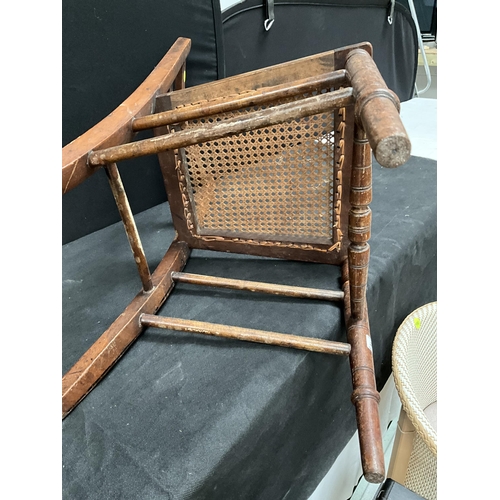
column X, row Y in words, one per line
column 377, row 110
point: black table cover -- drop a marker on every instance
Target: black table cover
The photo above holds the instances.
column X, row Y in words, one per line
column 185, row 416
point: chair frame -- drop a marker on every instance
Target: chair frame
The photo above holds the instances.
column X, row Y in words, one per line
column 366, row 118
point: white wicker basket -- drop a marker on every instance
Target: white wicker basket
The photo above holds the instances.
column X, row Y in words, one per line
column 414, row 364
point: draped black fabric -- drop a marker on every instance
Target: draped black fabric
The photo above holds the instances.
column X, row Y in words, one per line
column 184, row 416
column 305, row 27
column 109, row 47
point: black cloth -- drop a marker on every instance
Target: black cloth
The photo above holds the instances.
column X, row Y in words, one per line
column 109, row 47
column 184, row 416
column 305, row 27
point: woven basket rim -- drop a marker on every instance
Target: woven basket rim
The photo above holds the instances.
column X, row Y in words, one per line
column 416, row 415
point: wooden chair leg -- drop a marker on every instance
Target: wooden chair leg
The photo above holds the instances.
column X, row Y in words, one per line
column 130, row 227
column 365, row 396
column 112, row 344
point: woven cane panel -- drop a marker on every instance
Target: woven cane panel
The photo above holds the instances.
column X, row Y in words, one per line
column 272, row 183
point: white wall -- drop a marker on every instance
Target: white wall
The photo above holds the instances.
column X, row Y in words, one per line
column 225, row 4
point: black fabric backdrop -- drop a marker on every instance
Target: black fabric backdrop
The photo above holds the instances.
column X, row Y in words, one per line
column 183, row 416
column 109, row 47
column 306, row 27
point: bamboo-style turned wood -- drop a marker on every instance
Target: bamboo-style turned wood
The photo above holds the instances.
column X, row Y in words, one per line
column 130, row 226
column 359, row 222
column 211, row 131
column 345, row 288
column 247, row 334
column 365, row 399
column 256, row 286
column 377, row 109
column 365, row 396
column 248, row 99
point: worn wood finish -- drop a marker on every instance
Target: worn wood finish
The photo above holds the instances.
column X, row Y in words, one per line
column 267, row 248
column 345, row 288
column 231, row 103
column 284, row 73
column 116, row 128
column 112, row 344
column 130, row 226
column 365, row 399
column 358, row 275
column 169, row 160
column 365, row 105
column 178, row 202
column 247, row 334
column 256, row 286
column 211, row 131
column 359, row 222
column 377, row 109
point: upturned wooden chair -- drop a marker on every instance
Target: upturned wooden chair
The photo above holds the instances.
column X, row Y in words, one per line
column 273, row 163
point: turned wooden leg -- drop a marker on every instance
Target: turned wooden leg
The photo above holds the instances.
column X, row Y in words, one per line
column 365, row 396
